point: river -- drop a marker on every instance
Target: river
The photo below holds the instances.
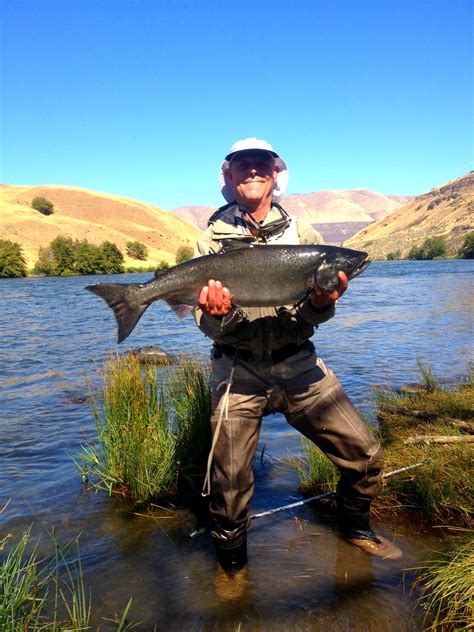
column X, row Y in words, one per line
column 301, row 576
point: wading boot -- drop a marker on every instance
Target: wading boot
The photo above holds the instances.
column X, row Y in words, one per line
column 231, row 558
column 354, row 526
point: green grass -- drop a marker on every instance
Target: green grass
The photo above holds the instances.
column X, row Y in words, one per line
column 317, row 474
column 446, row 586
column 153, row 432
column 47, row 594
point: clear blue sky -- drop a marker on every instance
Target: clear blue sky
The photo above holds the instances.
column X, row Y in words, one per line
column 144, row 98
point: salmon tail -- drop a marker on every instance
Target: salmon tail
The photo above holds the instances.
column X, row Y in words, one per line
column 126, row 313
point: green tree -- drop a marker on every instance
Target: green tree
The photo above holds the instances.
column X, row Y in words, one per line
column 46, row 263
column 467, row 249
column 137, row 250
column 42, row 205
column 63, row 252
column 393, row 256
column 416, row 252
column 434, row 247
column 183, row 254
column 12, row 262
column 110, row 259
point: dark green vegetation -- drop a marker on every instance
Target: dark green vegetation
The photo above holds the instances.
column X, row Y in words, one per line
column 137, row 250
column 42, row 205
column 153, row 433
column 435, row 248
column 434, row 423
column 183, row 254
column 65, row 257
column 467, row 249
column 12, row 262
column 432, row 248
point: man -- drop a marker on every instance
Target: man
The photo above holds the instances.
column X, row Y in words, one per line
column 266, row 360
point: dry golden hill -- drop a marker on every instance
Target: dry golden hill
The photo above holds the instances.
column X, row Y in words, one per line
column 446, row 210
column 96, row 217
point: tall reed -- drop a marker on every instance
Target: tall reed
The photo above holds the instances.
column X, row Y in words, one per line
column 152, row 428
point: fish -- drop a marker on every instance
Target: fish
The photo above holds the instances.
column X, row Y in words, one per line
column 256, row 275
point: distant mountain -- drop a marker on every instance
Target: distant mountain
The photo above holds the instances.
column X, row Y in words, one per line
column 91, row 215
column 335, row 214
column 445, row 210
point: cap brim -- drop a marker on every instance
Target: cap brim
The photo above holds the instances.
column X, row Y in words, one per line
column 252, row 152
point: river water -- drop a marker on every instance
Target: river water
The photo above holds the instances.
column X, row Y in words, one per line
column 301, row 576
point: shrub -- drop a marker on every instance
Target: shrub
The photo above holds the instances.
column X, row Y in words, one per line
column 137, row 250
column 65, row 256
column 12, row 262
column 393, row 256
column 467, row 249
column 430, row 249
column 42, row 205
column 183, row 254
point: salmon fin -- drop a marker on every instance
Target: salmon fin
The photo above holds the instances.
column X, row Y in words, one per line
column 180, row 309
column 127, row 314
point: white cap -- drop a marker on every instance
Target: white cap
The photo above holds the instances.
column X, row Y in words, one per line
column 260, row 145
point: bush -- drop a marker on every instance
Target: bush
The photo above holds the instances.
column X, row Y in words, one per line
column 42, row 205
column 467, row 249
column 431, row 248
column 183, row 254
column 12, row 262
column 65, row 256
column 137, row 250
column 393, row 256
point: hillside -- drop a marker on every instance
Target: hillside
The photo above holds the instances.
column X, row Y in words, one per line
column 335, row 214
column 445, row 210
column 91, row 215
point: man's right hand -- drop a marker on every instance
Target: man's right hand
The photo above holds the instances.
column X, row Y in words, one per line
column 215, row 299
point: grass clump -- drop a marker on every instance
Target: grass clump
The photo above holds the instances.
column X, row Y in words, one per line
column 153, row 428
column 447, row 587
column 317, row 474
column 441, row 490
column 42, row 594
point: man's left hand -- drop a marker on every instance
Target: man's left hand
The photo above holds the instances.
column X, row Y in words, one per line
column 320, row 299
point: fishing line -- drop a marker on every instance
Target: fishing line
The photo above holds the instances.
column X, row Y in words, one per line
column 313, row 498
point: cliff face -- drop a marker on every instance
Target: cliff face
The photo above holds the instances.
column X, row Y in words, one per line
column 446, row 210
column 91, row 215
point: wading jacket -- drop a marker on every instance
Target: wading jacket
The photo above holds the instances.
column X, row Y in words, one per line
column 260, row 329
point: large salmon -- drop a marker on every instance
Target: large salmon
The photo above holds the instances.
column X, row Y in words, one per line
column 257, row 276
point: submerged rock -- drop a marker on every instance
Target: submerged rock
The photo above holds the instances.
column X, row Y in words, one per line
column 152, row 354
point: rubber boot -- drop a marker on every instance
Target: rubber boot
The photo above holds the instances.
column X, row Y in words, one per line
column 354, row 526
column 231, row 558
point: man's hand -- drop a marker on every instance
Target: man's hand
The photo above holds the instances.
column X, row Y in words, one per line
column 215, row 299
column 320, row 299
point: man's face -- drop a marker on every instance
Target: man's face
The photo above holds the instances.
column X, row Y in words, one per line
column 252, row 175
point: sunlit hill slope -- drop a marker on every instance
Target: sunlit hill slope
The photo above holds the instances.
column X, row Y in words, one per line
column 91, row 215
column 446, row 210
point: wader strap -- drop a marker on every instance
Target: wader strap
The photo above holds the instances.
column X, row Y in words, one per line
column 206, row 489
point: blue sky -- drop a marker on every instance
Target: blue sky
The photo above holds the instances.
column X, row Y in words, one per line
column 144, row 99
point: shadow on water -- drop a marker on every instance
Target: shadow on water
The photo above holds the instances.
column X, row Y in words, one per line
column 301, row 575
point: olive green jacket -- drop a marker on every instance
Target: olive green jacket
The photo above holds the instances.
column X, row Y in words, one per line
column 259, row 329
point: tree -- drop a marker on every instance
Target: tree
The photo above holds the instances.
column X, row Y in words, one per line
column 467, row 249
column 110, row 259
column 63, row 252
column 137, row 250
column 12, row 262
column 183, row 254
column 42, row 205
column 393, row 256
column 434, row 247
column 416, row 252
